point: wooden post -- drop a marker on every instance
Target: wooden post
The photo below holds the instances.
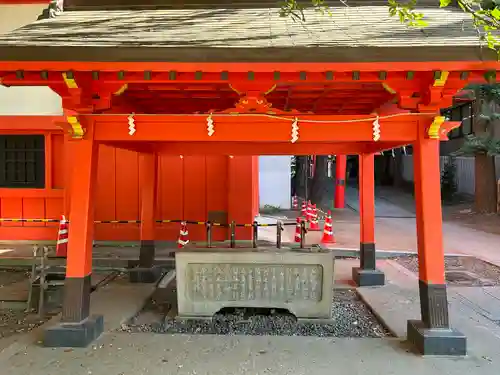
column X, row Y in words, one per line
column 367, row 274
column 77, row 328
column 432, row 334
column 340, row 174
column 498, row 196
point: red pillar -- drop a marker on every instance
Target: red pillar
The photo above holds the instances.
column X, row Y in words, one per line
column 367, row 274
column 148, row 170
column 431, row 335
column 340, row 171
column 77, row 327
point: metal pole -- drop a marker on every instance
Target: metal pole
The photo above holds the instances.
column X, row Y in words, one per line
column 32, row 278
column 302, row 234
column 209, row 234
column 42, row 282
column 279, row 229
column 233, row 234
column 255, row 237
column 306, row 181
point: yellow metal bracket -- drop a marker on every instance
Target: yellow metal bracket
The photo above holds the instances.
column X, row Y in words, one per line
column 388, row 88
column 121, row 90
column 434, row 129
column 70, row 82
column 441, row 81
column 77, row 131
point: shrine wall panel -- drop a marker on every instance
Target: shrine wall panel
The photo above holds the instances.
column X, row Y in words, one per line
column 196, row 188
column 28, row 202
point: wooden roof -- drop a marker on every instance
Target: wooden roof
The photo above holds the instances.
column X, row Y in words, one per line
column 351, row 34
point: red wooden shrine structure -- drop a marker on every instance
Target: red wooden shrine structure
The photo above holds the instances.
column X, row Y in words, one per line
column 137, row 99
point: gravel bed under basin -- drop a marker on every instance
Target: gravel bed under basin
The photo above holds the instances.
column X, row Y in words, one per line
column 351, row 318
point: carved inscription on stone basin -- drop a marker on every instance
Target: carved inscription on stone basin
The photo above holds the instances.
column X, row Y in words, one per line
column 250, row 282
column 299, row 281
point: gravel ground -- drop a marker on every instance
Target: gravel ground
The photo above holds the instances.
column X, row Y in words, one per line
column 485, row 274
column 351, row 318
column 10, row 276
column 13, row 321
column 17, row 321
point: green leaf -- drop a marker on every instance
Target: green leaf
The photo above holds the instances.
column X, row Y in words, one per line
column 444, row 3
column 495, row 13
column 421, row 23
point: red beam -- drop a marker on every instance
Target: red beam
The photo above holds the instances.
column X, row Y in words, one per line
column 24, row 123
column 243, row 148
column 241, row 128
column 23, row 2
column 255, row 67
column 112, row 74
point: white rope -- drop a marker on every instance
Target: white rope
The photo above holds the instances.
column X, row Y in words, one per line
column 291, row 119
column 210, row 125
column 131, row 124
column 295, row 130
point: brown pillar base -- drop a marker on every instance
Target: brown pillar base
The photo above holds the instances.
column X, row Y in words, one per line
column 145, row 275
column 368, row 277
column 74, row 335
column 147, row 253
column 436, row 341
column 145, row 271
column 367, row 274
column 433, row 335
column 76, row 329
column 433, row 304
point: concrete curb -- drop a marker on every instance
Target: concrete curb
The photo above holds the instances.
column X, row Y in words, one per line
column 377, row 315
column 402, row 269
column 381, row 254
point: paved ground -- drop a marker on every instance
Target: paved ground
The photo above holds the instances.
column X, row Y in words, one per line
column 139, row 354
column 124, row 353
column 383, row 207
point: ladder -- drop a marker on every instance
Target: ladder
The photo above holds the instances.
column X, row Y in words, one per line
column 39, row 272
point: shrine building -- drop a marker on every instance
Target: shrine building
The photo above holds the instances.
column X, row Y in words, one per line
column 167, row 106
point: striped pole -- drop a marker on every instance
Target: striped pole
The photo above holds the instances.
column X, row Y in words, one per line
column 62, row 238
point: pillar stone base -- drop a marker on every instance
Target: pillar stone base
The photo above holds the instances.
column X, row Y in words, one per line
column 145, row 275
column 147, row 253
column 368, row 277
column 146, row 272
column 436, row 341
column 74, row 335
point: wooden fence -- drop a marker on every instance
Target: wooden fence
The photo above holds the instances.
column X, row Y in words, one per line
column 465, row 171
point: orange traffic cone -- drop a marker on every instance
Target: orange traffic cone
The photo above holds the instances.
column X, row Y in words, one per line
column 298, row 231
column 295, row 202
column 303, row 211
column 62, row 238
column 183, row 235
column 328, row 230
column 309, row 212
column 314, row 223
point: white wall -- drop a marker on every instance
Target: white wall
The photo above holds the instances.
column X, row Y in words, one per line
column 275, row 181
column 25, row 100
column 38, row 101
